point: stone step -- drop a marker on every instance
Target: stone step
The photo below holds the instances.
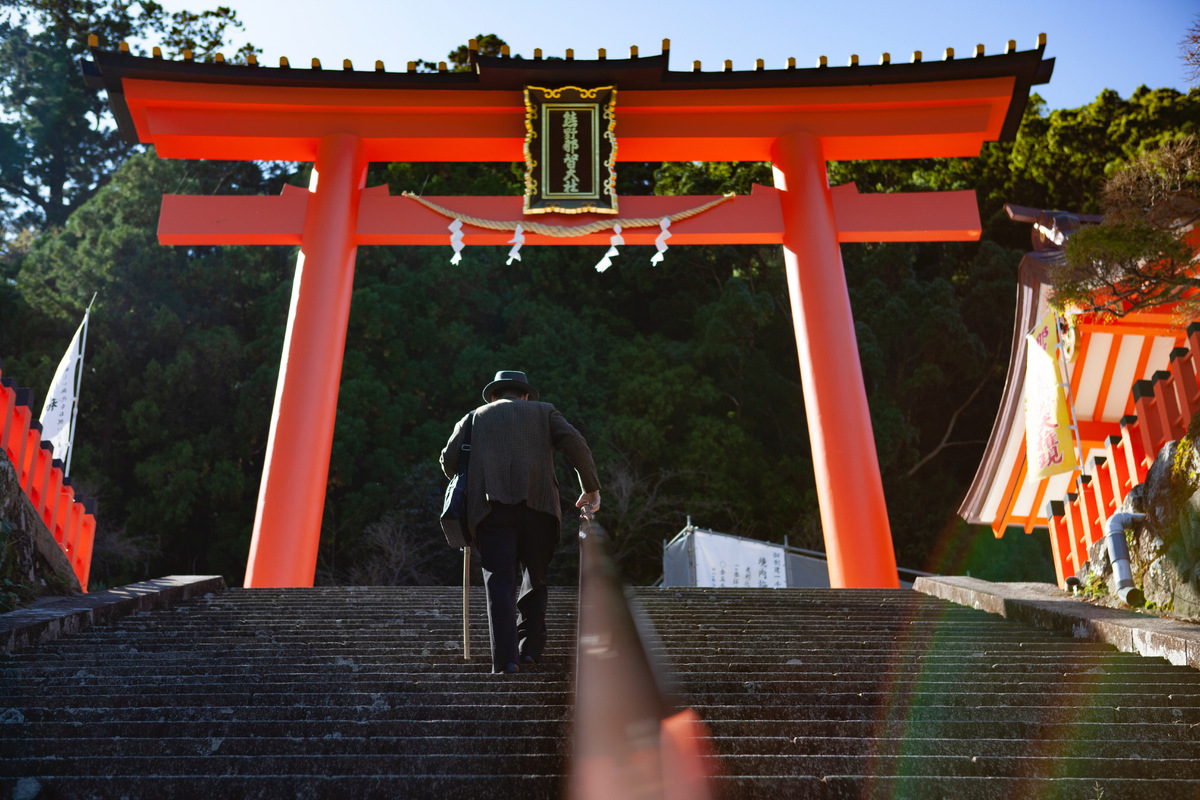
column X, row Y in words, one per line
column 927, row 787
column 292, row 764
column 206, row 786
column 785, row 731
column 729, row 746
column 395, row 697
column 1177, row 689
column 382, row 708
column 853, row 651
column 1187, row 706
column 502, row 764
column 416, row 662
column 358, row 727
column 1110, row 715
column 360, row 690
column 189, row 675
column 974, row 745
column 1020, row 735
column 420, row 742
column 975, row 766
column 364, row 673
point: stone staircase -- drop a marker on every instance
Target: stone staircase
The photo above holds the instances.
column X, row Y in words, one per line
column 288, row 693
column 364, row 693
column 895, row 694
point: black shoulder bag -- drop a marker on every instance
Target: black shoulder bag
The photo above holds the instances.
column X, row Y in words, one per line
column 454, row 507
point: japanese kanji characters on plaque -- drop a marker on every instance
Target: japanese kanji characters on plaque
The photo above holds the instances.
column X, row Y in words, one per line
column 570, row 150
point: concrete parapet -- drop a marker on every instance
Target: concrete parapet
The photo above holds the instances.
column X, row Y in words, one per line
column 1043, row 605
column 51, row 617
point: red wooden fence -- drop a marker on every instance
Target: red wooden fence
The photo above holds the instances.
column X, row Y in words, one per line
column 1164, row 405
column 70, row 518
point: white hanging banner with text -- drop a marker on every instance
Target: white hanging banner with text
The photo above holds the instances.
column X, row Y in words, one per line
column 1049, row 441
column 727, row 561
column 58, row 412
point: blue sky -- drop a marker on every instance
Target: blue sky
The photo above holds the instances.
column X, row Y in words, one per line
column 1096, row 45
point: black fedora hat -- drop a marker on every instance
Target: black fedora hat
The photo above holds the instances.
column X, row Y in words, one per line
column 508, row 379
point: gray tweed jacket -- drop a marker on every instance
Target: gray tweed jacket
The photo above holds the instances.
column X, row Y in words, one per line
column 512, row 457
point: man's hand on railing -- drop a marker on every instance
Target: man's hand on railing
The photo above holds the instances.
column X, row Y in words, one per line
column 589, row 502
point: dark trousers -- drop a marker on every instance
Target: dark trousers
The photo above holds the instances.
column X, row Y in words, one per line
column 515, row 546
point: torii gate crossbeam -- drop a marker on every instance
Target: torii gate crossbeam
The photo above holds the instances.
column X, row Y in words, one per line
column 341, row 120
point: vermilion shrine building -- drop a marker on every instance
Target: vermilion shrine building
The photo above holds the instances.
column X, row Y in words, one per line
column 341, row 119
column 1132, row 384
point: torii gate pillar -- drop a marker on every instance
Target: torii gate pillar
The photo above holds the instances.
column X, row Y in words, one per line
column 291, row 497
column 858, row 539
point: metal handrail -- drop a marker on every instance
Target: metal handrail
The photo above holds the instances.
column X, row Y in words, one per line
column 631, row 740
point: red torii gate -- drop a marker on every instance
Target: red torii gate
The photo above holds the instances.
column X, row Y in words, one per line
column 342, row 119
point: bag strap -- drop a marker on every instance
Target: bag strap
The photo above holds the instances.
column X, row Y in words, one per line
column 465, row 447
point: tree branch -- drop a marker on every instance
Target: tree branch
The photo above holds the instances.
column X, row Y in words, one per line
column 945, row 442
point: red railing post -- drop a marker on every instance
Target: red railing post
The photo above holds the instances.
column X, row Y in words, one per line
column 33, row 445
column 72, row 518
column 39, row 469
column 1135, row 447
column 1075, row 530
column 82, row 561
column 1187, row 386
column 1093, row 522
column 51, row 499
column 1150, row 423
column 1167, row 400
column 63, row 499
column 1102, row 484
column 8, row 404
column 1060, row 543
column 18, row 438
column 1118, row 470
column 1193, row 337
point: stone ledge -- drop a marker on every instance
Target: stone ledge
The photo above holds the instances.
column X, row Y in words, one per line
column 1043, row 605
column 30, row 532
column 51, row 617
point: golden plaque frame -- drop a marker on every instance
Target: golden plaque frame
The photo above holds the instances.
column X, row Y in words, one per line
column 597, row 107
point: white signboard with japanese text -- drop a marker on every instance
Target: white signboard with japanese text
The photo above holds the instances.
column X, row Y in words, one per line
column 727, row 561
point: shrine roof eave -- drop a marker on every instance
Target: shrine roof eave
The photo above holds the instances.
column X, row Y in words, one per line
column 109, row 69
column 1110, row 356
column 1031, row 277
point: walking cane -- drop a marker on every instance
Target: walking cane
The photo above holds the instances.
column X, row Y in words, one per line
column 467, row 603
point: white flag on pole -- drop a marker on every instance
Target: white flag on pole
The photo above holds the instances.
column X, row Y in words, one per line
column 58, row 412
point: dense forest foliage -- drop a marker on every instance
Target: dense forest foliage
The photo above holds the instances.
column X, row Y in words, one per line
column 683, row 376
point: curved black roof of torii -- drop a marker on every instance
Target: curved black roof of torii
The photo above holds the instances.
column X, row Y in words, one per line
column 108, row 68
